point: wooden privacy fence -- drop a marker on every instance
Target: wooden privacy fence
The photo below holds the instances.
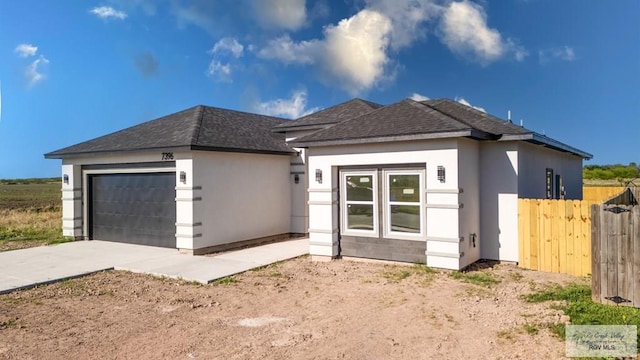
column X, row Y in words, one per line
column 600, row 193
column 616, row 250
column 555, row 235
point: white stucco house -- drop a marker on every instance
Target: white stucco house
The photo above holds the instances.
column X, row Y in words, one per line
column 435, row 182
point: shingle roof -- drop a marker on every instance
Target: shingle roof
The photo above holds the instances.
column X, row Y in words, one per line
column 404, row 118
column 335, row 114
column 411, row 120
column 475, row 118
column 198, row 128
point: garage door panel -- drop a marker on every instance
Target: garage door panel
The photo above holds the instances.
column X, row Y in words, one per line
column 133, row 208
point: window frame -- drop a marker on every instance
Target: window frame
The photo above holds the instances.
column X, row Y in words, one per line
column 387, row 203
column 344, row 228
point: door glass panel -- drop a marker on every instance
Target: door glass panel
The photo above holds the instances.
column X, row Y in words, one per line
column 360, row 217
column 405, row 218
column 359, row 188
column 404, row 188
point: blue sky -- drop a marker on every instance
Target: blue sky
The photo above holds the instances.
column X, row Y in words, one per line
column 74, row 70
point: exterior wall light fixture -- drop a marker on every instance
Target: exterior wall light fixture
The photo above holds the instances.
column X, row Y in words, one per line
column 296, row 178
column 441, row 174
column 65, row 179
column 183, row 177
column 319, row 176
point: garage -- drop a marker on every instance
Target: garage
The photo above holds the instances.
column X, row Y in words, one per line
column 200, row 180
column 135, row 208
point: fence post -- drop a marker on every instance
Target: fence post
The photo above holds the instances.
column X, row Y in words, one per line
column 635, row 240
column 595, row 253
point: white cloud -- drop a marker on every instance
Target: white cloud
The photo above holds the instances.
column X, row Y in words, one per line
column 407, row 17
column 356, row 50
column 565, row 53
column 289, row 52
column 281, row 14
column 418, row 97
column 465, row 102
column 291, row 108
column 353, row 53
column 465, row 31
column 33, row 72
column 26, row 50
column 219, row 71
column 107, row 12
column 228, row 45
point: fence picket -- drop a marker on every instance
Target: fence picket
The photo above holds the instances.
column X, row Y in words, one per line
column 560, row 220
column 569, row 238
column 585, row 236
column 577, row 246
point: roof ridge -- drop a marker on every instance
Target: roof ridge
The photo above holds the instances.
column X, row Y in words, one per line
column 367, row 102
column 454, row 118
column 199, row 119
column 485, row 115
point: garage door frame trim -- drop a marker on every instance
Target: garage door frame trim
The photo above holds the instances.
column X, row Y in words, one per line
column 89, row 172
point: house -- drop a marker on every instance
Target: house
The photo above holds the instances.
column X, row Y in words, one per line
column 435, row 181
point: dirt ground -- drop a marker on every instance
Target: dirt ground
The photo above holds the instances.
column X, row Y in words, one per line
column 297, row 309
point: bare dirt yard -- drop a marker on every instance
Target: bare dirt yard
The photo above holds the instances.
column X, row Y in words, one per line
column 297, row 309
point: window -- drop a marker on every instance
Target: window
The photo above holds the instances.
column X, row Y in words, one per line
column 360, row 206
column 559, row 188
column 403, row 203
column 549, row 183
column 395, row 211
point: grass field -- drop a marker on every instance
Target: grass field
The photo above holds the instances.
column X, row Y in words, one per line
column 613, row 182
column 30, row 213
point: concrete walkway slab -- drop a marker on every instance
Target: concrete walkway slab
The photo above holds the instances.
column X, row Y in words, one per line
column 41, row 265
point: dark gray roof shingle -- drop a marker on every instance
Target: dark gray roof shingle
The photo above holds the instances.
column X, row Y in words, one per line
column 198, row 128
column 335, row 114
column 475, row 118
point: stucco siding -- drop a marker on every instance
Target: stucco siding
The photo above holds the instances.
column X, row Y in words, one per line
column 469, row 183
column 499, row 201
column 243, row 196
column 534, row 160
column 72, row 221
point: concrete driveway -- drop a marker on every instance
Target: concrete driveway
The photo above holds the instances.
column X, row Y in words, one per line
column 41, row 265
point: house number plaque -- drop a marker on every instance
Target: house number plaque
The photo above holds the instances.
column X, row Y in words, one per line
column 167, row 156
